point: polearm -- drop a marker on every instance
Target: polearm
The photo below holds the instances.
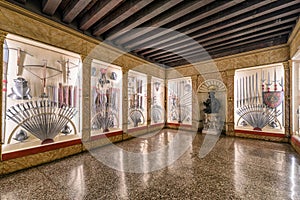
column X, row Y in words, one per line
column 250, row 90
column 253, row 89
column 246, row 94
column 237, row 95
column 256, row 90
column 241, row 92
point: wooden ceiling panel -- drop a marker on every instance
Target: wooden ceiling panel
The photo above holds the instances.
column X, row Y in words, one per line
column 222, row 27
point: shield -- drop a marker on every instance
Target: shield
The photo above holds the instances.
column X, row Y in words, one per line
column 273, row 98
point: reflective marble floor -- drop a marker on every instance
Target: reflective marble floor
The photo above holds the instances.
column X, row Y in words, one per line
column 152, row 167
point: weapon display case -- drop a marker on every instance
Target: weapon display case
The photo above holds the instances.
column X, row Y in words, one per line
column 179, row 101
column 259, row 99
column 106, row 91
column 296, row 97
column 157, row 100
column 137, row 99
column 41, row 94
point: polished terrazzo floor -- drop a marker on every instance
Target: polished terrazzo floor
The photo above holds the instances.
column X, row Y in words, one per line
column 235, row 168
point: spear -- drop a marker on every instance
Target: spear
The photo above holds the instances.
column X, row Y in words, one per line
column 246, row 95
column 241, row 92
column 237, row 95
column 256, row 82
column 253, row 89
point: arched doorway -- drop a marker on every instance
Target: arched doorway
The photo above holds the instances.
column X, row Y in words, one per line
column 218, row 88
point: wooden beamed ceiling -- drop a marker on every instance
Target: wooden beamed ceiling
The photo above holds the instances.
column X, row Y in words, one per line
column 176, row 32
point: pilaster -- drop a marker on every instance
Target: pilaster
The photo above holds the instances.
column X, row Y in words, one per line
column 149, row 92
column 2, row 38
column 230, row 102
column 125, row 99
column 195, row 104
column 287, row 98
column 86, row 97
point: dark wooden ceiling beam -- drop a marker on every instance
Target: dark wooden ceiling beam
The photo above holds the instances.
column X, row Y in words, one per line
column 228, row 47
column 265, row 20
column 242, row 48
column 208, row 21
column 72, row 10
column 98, row 11
column 164, row 18
column 166, row 41
column 127, row 9
column 242, row 9
column 225, row 44
column 50, row 6
column 199, row 14
column 155, row 9
column 289, row 22
column 262, row 17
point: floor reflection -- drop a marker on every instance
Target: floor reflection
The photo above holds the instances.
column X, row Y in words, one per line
column 77, row 183
column 235, row 168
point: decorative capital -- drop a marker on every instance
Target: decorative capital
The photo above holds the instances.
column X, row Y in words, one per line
column 287, row 65
column 230, row 72
column 86, row 59
column 3, row 35
column 125, row 70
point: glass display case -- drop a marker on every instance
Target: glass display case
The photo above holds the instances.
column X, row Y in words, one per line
column 259, row 99
column 137, row 99
column 157, row 100
column 106, row 85
column 41, row 95
column 296, row 97
column 180, row 100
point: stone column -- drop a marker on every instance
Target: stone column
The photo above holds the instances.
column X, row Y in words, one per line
column 125, row 99
column 230, row 102
column 2, row 38
column 86, row 97
column 287, row 98
column 195, row 104
column 149, row 92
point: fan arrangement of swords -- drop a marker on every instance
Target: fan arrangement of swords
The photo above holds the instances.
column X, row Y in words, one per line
column 43, row 118
column 156, row 108
column 136, row 105
column 255, row 109
column 180, row 100
column 106, row 103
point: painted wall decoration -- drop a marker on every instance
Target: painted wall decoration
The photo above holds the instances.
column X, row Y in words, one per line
column 106, row 83
column 259, row 96
column 157, row 100
column 41, row 95
column 137, row 99
column 180, row 100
